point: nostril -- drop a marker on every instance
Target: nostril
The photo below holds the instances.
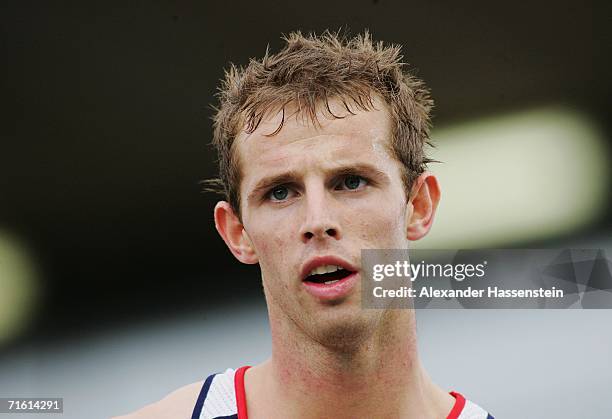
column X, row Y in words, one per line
column 321, row 234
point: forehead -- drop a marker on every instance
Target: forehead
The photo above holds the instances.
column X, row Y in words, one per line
column 360, row 138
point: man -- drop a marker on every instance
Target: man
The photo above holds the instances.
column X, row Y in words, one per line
column 321, row 151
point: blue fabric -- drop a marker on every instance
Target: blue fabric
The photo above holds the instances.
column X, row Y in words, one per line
column 197, row 410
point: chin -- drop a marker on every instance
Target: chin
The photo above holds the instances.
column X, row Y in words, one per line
column 345, row 331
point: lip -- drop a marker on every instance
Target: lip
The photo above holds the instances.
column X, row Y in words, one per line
column 317, row 261
column 333, row 291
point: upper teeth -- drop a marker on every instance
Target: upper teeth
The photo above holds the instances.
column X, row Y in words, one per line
column 325, row 269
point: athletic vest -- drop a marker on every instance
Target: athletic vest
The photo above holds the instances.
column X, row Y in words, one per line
column 222, row 397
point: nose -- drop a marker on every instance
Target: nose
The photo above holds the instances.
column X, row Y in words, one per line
column 319, row 219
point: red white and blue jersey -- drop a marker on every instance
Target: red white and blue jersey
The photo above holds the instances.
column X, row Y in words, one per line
column 222, row 397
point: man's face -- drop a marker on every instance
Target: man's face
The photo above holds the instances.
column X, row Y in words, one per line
column 315, row 196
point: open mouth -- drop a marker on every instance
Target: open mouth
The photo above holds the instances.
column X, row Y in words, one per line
column 327, row 274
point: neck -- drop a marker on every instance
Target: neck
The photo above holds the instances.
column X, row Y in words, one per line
column 378, row 376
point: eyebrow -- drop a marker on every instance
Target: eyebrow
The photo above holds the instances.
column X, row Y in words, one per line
column 293, row 175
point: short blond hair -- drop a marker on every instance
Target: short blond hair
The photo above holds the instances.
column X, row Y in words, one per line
column 309, row 71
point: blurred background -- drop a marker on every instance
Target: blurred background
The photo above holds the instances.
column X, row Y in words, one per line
column 114, row 286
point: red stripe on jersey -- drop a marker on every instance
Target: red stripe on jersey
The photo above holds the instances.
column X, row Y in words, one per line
column 241, row 404
column 458, row 407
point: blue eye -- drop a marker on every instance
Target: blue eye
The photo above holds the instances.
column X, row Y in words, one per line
column 279, row 193
column 353, row 182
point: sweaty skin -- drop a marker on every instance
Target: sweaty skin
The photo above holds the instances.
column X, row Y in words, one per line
column 329, row 189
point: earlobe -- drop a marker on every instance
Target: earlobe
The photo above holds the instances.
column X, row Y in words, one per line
column 232, row 232
column 422, row 206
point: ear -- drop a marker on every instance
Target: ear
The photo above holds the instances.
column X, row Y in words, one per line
column 424, row 198
column 233, row 233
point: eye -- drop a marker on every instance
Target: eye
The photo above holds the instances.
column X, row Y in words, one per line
column 352, row 182
column 279, row 193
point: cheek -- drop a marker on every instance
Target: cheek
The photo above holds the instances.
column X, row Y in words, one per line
column 271, row 246
column 381, row 226
column 272, row 250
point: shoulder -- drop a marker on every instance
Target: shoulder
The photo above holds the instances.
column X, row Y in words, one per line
column 176, row 405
